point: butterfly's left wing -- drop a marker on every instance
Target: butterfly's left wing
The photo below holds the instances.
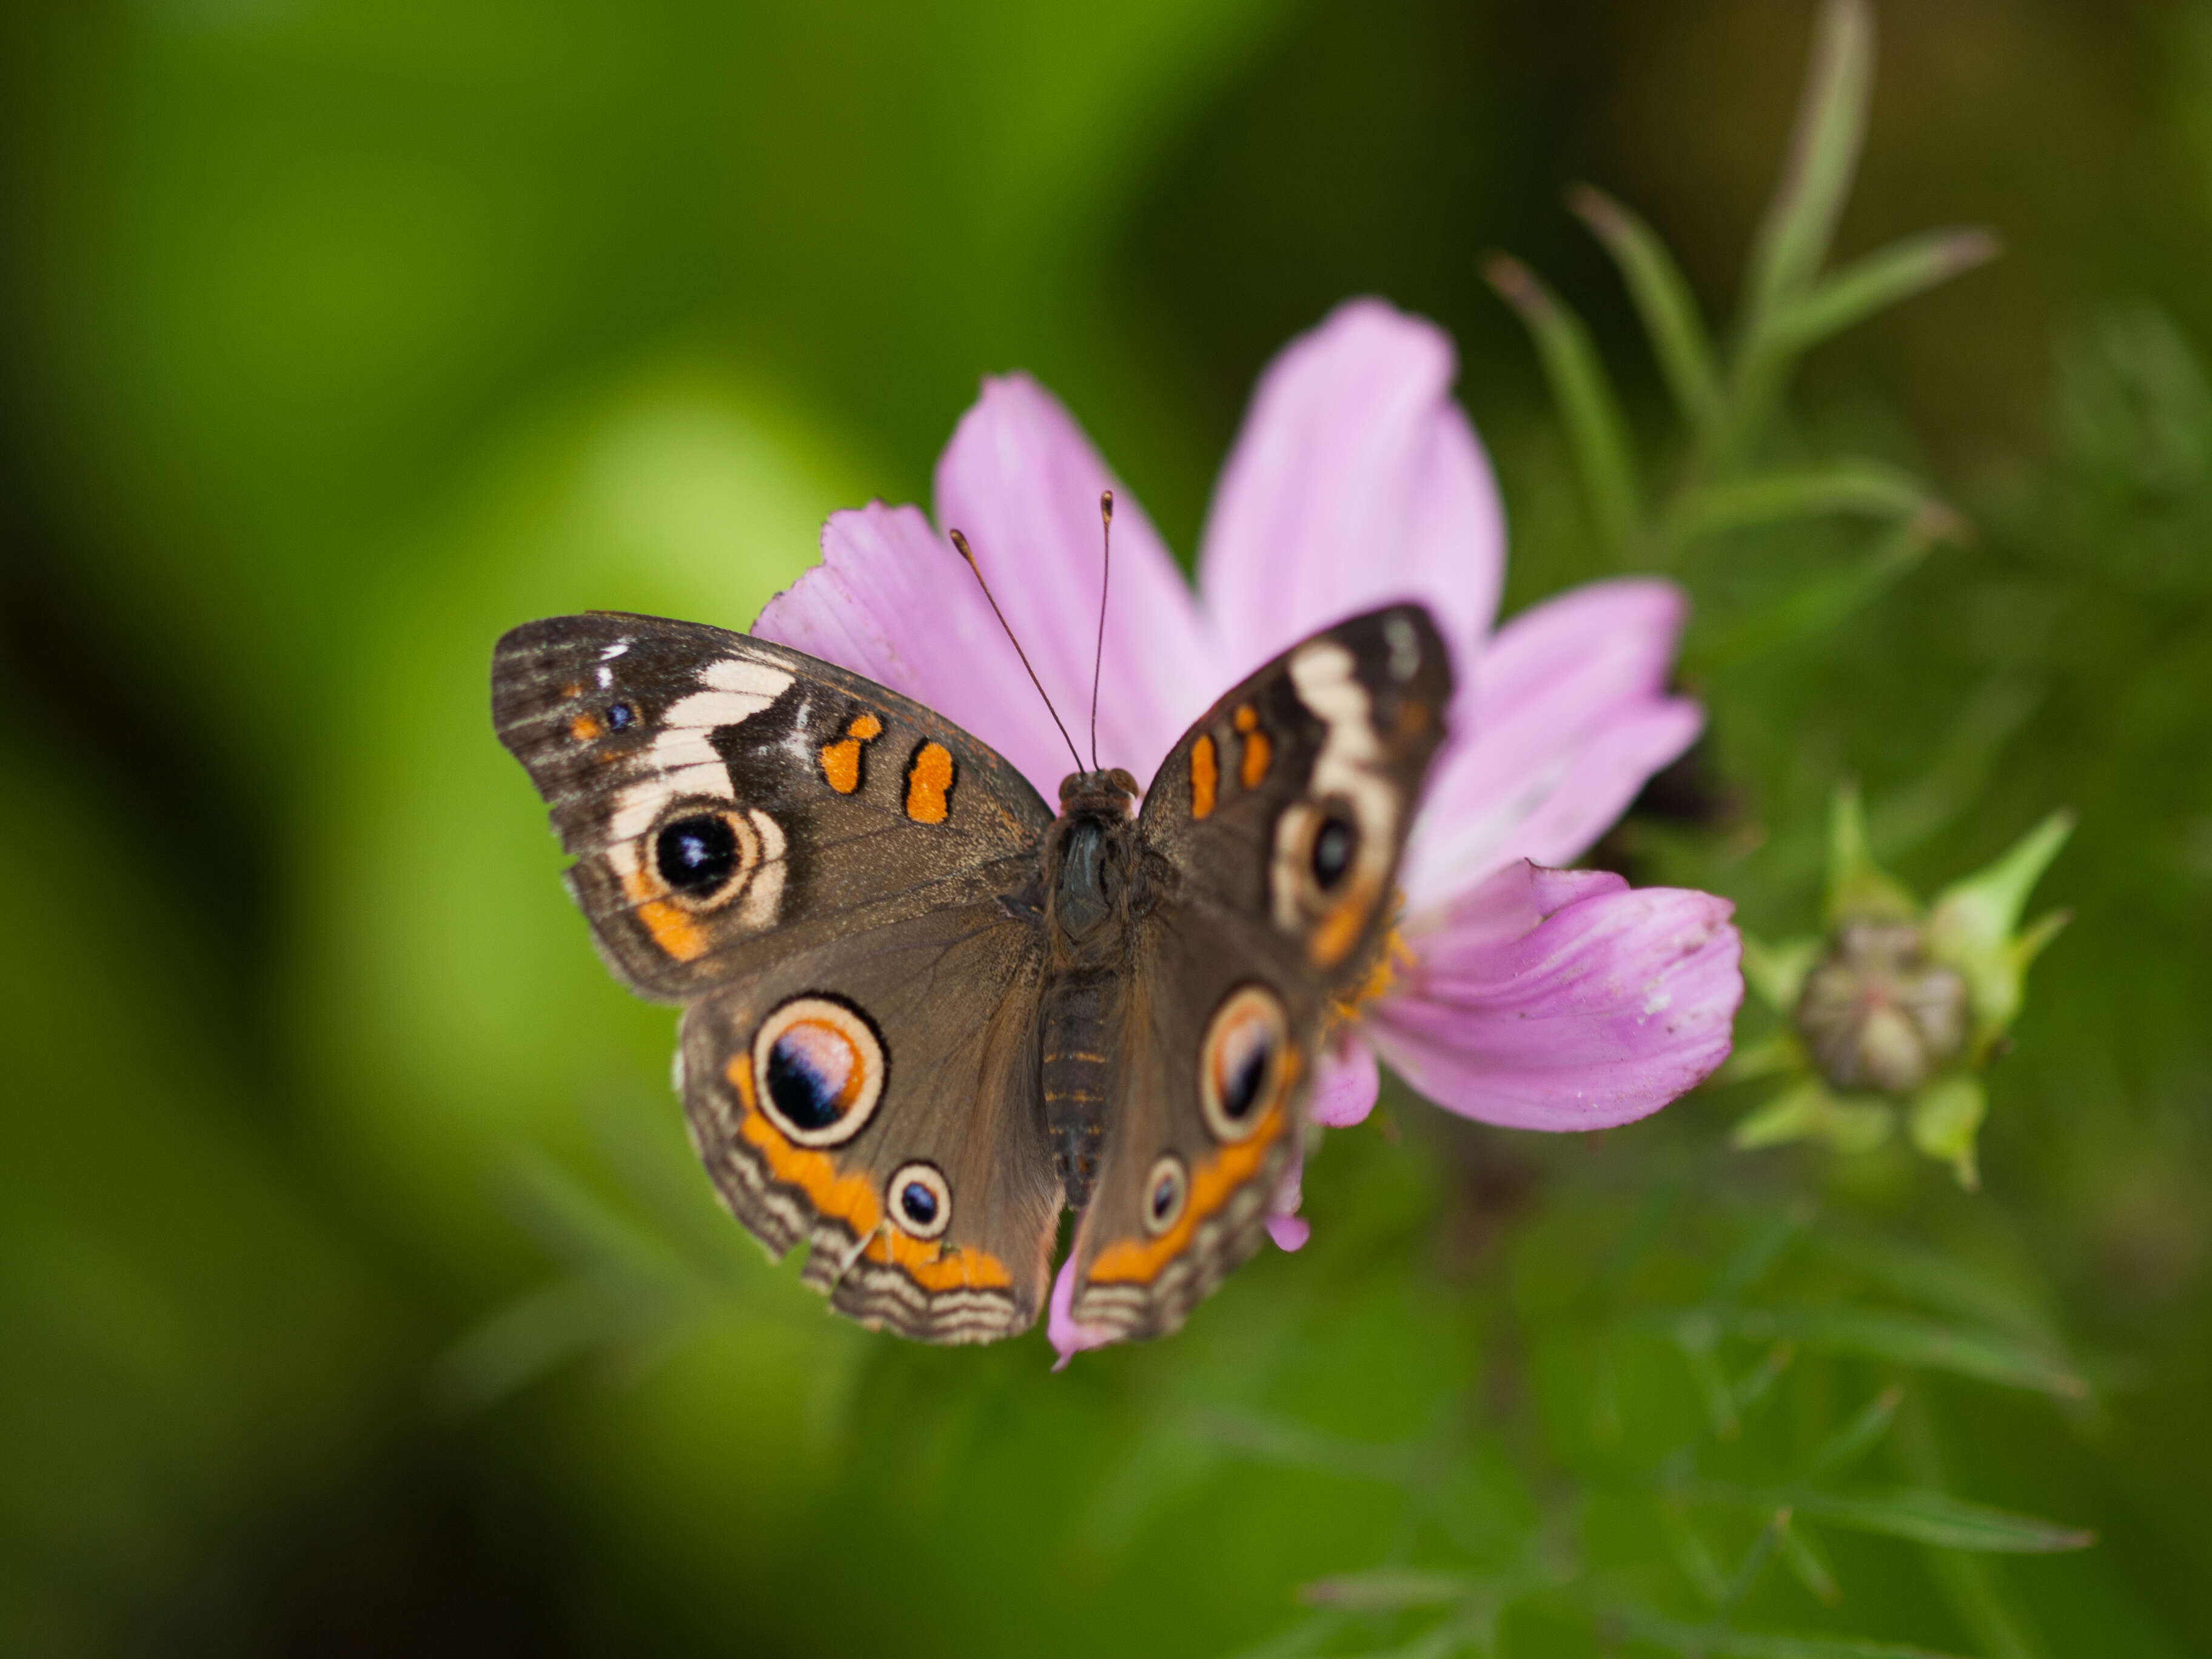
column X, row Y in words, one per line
column 1271, row 836
column 832, row 878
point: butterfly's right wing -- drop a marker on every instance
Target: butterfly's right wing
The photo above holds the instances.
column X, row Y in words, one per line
column 1279, row 822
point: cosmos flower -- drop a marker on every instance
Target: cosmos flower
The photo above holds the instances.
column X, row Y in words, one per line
column 1517, row 992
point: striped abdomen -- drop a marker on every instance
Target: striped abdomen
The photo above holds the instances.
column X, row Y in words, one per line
column 1074, row 1076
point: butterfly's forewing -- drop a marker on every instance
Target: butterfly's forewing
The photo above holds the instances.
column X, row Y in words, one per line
column 830, row 875
column 728, row 800
column 1278, row 822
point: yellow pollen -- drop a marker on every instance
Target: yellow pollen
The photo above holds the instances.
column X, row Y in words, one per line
column 1393, row 959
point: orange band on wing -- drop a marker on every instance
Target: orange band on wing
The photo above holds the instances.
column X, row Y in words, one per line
column 937, row 1267
column 852, row 1199
column 673, row 929
column 584, row 728
column 1130, row 1259
column 1204, row 777
column 1339, row 932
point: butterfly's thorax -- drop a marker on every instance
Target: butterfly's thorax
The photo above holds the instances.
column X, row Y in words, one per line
column 1093, row 879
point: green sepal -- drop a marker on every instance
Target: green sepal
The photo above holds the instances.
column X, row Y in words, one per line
column 1944, row 1119
column 1811, row 1111
column 1971, row 928
column 1776, row 973
column 1858, row 889
column 1773, row 1054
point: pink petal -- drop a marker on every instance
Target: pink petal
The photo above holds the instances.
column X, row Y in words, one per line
column 1067, row 1335
column 891, row 600
column 1562, row 999
column 1345, row 1083
column 1356, row 480
column 1569, row 717
column 1021, row 481
column 1290, row 1232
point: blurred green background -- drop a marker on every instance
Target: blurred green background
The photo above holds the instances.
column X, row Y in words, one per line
column 357, row 1293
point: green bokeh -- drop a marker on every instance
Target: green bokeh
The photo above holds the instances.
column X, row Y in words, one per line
column 358, row 1293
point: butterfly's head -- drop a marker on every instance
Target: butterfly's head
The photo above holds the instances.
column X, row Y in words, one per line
column 1112, row 794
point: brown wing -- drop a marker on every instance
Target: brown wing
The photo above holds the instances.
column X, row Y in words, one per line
column 877, row 1099
column 831, row 877
column 729, row 801
column 1275, row 829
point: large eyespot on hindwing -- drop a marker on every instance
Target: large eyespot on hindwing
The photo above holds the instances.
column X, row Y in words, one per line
column 918, row 1200
column 821, row 1065
column 1244, row 1066
column 1167, row 1189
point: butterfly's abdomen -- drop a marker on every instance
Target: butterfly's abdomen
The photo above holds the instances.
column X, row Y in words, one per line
column 1087, row 864
column 1077, row 1021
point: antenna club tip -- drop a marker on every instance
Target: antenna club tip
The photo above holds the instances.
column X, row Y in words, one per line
column 1106, row 505
column 960, row 542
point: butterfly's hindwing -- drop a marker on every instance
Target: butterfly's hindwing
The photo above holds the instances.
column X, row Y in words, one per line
column 879, row 1106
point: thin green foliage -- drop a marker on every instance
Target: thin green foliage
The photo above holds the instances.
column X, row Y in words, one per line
column 1735, row 478
column 1761, row 1264
column 1603, row 454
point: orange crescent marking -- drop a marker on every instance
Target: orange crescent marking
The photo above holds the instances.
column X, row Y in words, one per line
column 1258, row 751
column 1204, row 777
column 933, row 1267
column 678, row 934
column 929, row 784
column 1247, row 717
column 1128, row 1260
column 584, row 728
column 852, row 1199
column 867, row 727
column 1341, row 928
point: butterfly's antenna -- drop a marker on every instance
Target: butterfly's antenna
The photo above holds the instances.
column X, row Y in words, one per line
column 1105, row 576
column 969, row 554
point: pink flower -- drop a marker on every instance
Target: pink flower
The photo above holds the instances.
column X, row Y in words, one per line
column 1526, row 995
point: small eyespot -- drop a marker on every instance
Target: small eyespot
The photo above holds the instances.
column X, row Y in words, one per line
column 1243, row 1066
column 919, row 1200
column 822, row 1065
column 619, row 716
column 697, row 856
column 1333, row 845
column 1166, row 1188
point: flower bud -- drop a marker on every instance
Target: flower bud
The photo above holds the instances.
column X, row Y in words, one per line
column 1875, row 1013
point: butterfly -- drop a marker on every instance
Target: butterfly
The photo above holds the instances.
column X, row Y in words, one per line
column 924, row 1012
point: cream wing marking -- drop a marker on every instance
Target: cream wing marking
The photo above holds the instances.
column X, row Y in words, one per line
column 683, row 762
column 1350, row 768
